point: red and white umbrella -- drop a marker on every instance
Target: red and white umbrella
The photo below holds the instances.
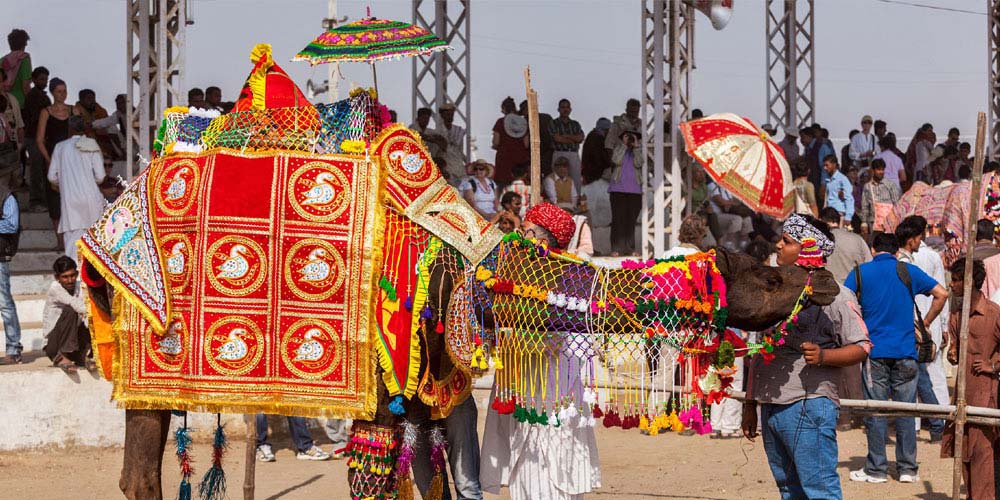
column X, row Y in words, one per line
column 741, row 157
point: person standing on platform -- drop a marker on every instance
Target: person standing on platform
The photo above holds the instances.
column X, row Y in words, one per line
column 76, row 172
column 625, row 192
column 568, row 135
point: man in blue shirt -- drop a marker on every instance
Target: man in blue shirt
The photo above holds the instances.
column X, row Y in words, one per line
column 887, row 307
column 839, row 191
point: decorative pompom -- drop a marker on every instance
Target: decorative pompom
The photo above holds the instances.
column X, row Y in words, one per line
column 439, row 328
column 408, row 304
column 396, row 405
column 597, row 411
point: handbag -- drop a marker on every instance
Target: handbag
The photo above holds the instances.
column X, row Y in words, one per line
column 926, row 348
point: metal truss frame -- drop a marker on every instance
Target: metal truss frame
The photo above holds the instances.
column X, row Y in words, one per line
column 445, row 76
column 791, row 63
column 155, row 50
column 667, row 60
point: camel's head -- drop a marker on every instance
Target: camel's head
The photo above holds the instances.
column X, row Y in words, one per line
column 761, row 296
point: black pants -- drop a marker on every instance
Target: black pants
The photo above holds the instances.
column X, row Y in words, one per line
column 625, row 208
column 69, row 339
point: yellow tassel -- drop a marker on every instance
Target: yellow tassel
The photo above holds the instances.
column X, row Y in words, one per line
column 675, row 423
column 643, row 423
column 497, row 363
column 436, row 489
column 405, row 489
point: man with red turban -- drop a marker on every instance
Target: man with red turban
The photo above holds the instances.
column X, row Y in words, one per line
column 549, row 224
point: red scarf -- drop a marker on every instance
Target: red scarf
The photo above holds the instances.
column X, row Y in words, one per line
column 9, row 65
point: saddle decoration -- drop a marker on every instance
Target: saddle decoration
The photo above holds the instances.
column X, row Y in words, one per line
column 222, row 278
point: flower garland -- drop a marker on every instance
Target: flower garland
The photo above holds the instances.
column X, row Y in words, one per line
column 776, row 337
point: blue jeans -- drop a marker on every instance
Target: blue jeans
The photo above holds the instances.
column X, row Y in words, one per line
column 894, row 379
column 297, row 427
column 800, row 440
column 925, row 391
column 8, row 312
column 463, row 450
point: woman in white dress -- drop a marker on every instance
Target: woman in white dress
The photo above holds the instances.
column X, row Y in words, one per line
column 539, row 461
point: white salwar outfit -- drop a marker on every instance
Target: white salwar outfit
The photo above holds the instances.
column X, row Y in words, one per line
column 542, row 461
column 727, row 416
column 77, row 166
column 929, row 261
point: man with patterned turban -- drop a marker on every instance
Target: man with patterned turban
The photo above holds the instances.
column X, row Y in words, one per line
column 795, row 384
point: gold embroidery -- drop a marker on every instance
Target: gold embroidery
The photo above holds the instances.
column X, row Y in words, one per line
column 235, row 265
column 316, row 191
column 311, row 349
column 234, row 345
column 314, row 269
column 175, row 186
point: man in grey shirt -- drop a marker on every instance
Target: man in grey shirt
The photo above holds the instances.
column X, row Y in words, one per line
column 849, row 249
column 796, row 383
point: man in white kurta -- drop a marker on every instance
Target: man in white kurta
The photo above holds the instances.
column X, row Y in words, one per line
column 929, row 261
column 76, row 171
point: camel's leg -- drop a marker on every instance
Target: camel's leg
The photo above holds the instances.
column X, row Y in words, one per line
column 145, row 439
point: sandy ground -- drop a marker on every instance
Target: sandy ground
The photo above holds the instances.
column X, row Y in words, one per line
column 633, row 467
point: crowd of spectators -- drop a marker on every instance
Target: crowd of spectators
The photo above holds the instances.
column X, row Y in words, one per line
column 62, row 153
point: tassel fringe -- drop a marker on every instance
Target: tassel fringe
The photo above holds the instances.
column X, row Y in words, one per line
column 213, row 485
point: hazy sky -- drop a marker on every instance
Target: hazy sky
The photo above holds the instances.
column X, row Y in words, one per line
column 902, row 63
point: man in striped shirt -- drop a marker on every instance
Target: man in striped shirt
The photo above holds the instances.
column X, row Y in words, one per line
column 568, row 135
column 878, row 192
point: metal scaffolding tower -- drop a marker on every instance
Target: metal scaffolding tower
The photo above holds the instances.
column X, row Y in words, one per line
column 444, row 76
column 791, row 63
column 155, row 46
column 668, row 57
column 993, row 27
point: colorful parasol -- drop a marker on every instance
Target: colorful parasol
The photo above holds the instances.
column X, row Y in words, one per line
column 741, row 158
column 370, row 40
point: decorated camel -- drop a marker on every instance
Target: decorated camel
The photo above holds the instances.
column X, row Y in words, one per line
column 310, row 260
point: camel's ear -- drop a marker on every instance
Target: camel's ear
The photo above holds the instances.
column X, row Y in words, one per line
column 825, row 287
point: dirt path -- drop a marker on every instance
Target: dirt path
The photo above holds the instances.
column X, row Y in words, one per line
column 633, row 467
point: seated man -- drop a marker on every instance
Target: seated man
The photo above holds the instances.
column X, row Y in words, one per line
column 559, row 187
column 64, row 320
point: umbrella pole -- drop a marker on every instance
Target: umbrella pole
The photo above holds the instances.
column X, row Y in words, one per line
column 375, row 78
